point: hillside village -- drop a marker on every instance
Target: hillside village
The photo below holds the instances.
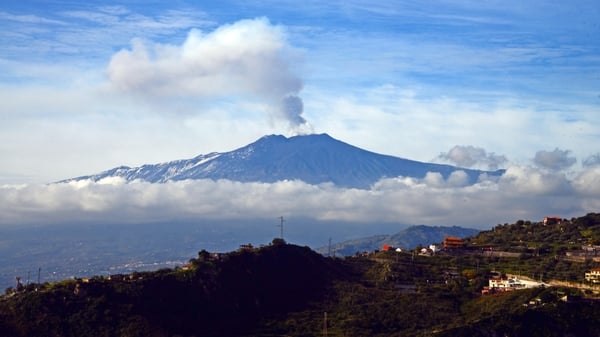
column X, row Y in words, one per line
column 461, row 286
column 578, row 247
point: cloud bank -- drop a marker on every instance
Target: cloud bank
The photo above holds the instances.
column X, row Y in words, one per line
column 521, row 193
column 249, row 58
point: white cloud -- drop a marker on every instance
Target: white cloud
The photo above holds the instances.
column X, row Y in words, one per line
column 556, row 160
column 29, row 18
column 469, row 156
column 535, row 183
column 587, row 182
column 458, row 179
column 245, row 57
column 522, row 193
column 90, row 30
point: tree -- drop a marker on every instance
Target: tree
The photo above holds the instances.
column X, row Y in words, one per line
column 203, row 255
column 278, row 242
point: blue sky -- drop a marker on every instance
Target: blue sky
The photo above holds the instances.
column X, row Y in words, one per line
column 87, row 86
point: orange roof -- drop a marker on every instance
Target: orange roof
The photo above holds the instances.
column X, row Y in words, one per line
column 452, row 238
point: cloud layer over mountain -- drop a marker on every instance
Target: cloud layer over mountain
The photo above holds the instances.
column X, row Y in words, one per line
column 521, row 193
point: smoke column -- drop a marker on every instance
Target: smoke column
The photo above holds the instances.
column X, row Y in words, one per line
column 292, row 108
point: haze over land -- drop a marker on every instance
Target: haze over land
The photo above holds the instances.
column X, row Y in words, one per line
column 85, row 87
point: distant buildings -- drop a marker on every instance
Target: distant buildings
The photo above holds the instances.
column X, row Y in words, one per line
column 552, row 220
column 453, row 242
column 593, row 276
column 389, row 248
column 434, row 249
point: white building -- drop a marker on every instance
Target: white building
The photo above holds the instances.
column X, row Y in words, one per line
column 593, row 275
column 512, row 283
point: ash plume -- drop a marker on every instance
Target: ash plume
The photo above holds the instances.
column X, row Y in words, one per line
column 292, row 108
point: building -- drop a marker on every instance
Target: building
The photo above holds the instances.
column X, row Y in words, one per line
column 499, row 284
column 593, row 275
column 552, row 220
column 453, row 242
column 505, row 283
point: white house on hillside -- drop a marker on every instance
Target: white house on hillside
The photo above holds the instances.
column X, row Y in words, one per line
column 501, row 284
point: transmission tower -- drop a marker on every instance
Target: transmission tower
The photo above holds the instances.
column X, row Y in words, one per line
column 281, row 221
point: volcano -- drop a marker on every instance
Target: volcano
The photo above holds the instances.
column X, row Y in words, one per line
column 314, row 159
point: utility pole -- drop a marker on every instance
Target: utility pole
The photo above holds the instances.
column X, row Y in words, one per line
column 325, row 324
column 281, row 226
column 329, row 248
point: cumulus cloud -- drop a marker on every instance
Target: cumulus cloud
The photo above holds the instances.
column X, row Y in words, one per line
column 531, row 181
column 249, row 57
column 555, row 160
column 521, row 193
column 469, row 156
column 592, row 161
column 587, row 183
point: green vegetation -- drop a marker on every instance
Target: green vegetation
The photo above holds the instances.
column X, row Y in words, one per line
column 544, row 249
column 535, row 237
column 287, row 290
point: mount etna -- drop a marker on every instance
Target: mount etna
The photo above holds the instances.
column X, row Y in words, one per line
column 314, row 159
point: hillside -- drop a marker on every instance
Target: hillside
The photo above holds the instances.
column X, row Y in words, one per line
column 557, row 237
column 283, row 289
column 215, row 295
column 408, row 238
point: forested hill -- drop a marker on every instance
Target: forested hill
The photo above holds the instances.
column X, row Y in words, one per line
column 555, row 237
column 216, row 294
